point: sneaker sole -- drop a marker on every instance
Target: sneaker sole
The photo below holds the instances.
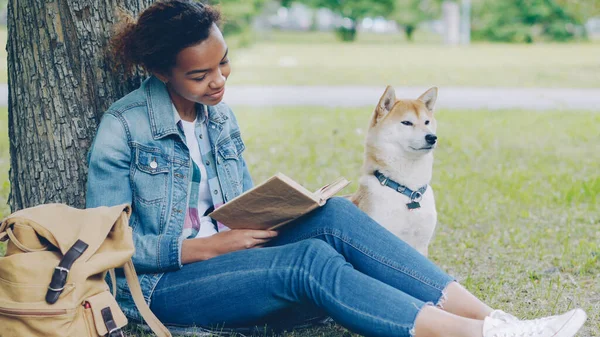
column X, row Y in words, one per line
column 572, row 325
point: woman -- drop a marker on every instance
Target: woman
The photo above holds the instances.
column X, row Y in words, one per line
column 174, row 151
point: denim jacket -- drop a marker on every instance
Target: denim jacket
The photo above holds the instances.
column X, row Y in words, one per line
column 139, row 156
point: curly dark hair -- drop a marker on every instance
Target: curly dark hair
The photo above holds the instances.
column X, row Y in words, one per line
column 161, row 32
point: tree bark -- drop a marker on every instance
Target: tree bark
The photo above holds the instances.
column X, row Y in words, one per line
column 61, row 80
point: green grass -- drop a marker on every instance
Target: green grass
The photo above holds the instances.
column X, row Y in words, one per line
column 517, row 196
column 318, row 59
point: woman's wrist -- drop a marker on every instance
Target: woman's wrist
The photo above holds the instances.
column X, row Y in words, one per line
column 194, row 250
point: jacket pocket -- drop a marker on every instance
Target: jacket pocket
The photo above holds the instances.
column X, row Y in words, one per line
column 150, row 174
column 151, row 160
column 232, row 147
column 232, row 166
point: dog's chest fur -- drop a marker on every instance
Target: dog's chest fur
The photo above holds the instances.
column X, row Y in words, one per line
column 388, row 208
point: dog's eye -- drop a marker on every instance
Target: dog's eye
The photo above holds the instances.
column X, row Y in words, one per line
column 426, row 122
column 407, row 123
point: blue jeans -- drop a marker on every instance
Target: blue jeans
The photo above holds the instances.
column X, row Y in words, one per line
column 335, row 261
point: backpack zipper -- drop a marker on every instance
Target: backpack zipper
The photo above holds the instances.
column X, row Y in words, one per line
column 33, row 312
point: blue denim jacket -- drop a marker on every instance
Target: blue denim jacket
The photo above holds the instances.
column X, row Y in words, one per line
column 139, row 156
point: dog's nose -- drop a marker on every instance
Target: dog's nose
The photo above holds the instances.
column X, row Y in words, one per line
column 431, row 138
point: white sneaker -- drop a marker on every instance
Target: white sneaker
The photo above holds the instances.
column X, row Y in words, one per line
column 503, row 316
column 565, row 325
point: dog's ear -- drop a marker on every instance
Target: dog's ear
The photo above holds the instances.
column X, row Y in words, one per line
column 386, row 102
column 429, row 98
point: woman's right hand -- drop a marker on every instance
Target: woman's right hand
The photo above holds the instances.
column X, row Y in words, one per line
column 193, row 250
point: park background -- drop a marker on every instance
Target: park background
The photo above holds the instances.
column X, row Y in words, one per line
column 517, row 170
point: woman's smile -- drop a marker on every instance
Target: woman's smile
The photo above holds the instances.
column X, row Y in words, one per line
column 216, row 95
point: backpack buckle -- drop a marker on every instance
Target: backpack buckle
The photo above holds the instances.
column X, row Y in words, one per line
column 62, row 269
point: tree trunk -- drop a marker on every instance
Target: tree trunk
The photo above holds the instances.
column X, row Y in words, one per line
column 61, row 80
column 347, row 34
column 410, row 30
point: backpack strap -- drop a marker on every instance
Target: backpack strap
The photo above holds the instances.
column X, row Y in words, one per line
column 113, row 280
column 109, row 322
column 136, row 292
column 61, row 272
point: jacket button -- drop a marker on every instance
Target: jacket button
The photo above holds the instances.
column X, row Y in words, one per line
column 153, row 164
column 216, row 192
column 208, row 163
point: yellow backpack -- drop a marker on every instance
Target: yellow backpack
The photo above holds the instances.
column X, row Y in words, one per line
column 52, row 277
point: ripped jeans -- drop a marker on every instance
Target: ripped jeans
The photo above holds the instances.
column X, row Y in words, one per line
column 334, row 261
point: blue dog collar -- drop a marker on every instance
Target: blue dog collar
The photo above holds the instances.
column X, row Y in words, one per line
column 414, row 196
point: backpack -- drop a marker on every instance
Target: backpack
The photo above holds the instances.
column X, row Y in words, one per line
column 52, row 277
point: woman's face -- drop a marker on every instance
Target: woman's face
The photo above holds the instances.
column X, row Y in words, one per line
column 201, row 70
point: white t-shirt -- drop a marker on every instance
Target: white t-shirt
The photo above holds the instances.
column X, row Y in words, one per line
column 204, row 198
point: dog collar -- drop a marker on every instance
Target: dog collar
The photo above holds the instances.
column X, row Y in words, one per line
column 415, row 196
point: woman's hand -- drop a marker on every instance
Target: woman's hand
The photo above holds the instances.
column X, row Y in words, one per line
column 200, row 249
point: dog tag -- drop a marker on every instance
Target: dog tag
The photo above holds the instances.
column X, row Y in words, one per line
column 413, row 205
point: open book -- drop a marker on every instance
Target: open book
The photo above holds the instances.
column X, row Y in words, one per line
column 274, row 203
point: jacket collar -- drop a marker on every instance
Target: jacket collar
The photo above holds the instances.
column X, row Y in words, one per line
column 160, row 109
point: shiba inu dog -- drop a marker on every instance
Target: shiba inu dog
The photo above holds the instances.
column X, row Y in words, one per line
column 394, row 183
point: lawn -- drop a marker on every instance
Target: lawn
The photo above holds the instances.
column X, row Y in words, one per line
column 318, row 59
column 517, row 195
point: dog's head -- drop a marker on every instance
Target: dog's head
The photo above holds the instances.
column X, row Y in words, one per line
column 406, row 125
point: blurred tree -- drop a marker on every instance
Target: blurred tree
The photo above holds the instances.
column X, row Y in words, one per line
column 238, row 14
column 525, row 20
column 353, row 10
column 410, row 13
column 582, row 9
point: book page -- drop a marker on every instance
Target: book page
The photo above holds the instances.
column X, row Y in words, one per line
column 298, row 187
column 330, row 190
